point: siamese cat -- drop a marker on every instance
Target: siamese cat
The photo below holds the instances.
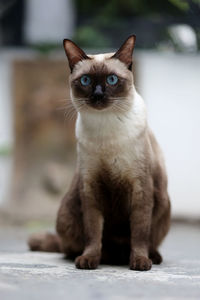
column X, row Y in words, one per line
column 117, row 209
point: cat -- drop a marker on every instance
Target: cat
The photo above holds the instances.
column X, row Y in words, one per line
column 117, row 209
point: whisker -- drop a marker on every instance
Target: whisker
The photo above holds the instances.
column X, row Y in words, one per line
column 70, row 115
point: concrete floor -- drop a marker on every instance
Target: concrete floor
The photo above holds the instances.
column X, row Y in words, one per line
column 28, row 275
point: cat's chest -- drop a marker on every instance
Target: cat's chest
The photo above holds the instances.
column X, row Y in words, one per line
column 121, row 159
column 105, row 140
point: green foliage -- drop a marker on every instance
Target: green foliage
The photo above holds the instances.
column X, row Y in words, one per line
column 98, row 19
column 87, row 36
column 5, row 151
column 45, row 48
column 181, row 4
column 114, row 8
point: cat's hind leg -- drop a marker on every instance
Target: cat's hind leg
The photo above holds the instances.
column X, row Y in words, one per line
column 155, row 256
column 159, row 229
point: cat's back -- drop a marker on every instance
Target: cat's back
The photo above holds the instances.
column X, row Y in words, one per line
column 157, row 160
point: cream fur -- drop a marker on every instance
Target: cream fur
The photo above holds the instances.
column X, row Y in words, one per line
column 119, row 143
column 114, row 138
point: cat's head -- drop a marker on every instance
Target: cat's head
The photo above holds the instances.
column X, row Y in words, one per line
column 103, row 81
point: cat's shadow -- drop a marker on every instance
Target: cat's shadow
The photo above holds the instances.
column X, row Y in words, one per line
column 71, row 259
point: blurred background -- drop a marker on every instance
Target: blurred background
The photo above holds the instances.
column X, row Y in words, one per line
column 37, row 144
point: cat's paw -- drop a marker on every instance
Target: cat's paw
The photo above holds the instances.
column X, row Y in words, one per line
column 87, row 262
column 140, row 263
column 155, row 257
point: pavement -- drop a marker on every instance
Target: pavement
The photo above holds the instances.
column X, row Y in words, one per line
column 31, row 275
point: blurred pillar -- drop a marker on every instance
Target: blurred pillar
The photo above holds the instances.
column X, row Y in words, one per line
column 48, row 21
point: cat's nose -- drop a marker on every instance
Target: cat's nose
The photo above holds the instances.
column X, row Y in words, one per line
column 98, row 93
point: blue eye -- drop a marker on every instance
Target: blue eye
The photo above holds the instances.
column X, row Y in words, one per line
column 112, row 79
column 85, row 80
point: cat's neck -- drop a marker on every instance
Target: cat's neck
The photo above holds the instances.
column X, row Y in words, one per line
column 104, row 127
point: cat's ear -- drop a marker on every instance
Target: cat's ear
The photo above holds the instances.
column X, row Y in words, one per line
column 125, row 52
column 73, row 53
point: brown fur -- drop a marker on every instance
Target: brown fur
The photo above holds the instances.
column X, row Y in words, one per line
column 114, row 199
column 109, row 214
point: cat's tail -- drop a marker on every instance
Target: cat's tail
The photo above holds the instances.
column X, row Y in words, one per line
column 47, row 242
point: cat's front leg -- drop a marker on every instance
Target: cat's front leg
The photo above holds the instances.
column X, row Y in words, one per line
column 140, row 224
column 93, row 229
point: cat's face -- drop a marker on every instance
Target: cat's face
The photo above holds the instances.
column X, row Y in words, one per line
column 101, row 82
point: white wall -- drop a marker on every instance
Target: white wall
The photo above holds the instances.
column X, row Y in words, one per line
column 6, row 125
column 170, row 85
column 48, row 21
